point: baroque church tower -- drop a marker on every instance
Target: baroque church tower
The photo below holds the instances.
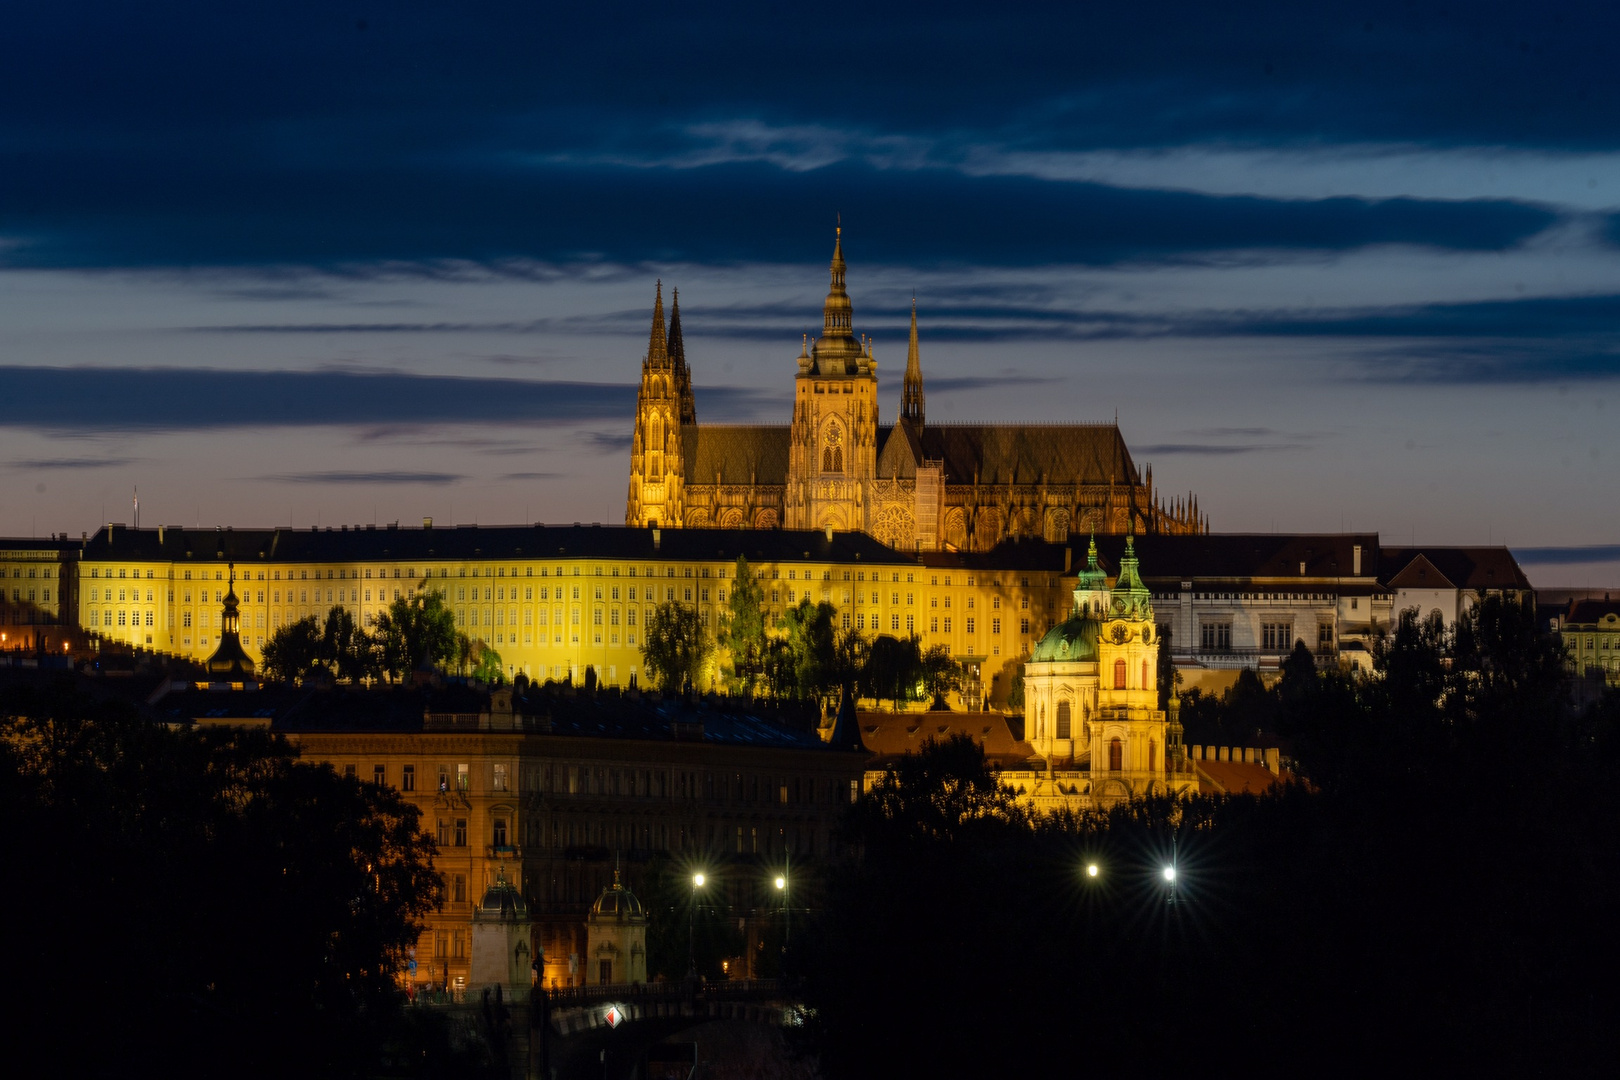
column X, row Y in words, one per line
column 833, row 448
column 663, row 403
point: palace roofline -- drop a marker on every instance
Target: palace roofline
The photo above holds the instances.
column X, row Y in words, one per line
column 469, row 542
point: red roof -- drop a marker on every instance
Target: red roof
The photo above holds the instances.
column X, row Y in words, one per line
column 889, row 734
column 1236, row 777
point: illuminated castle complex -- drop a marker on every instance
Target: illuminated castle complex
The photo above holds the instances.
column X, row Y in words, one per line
column 912, row 485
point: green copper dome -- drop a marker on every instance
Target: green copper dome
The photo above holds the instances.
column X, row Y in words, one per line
column 1075, row 638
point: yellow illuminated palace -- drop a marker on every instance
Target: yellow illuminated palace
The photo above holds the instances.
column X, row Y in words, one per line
column 914, row 486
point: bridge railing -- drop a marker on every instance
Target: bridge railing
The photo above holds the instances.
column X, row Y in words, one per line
column 564, row 997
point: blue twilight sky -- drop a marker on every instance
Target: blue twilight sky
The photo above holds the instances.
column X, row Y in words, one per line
column 1334, row 266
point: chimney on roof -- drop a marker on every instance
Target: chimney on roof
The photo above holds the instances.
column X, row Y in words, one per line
column 658, row 538
column 829, row 534
column 427, row 523
column 1355, row 560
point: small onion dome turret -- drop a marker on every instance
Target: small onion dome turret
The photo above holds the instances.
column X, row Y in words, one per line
column 617, row 903
column 502, row 902
column 1075, row 638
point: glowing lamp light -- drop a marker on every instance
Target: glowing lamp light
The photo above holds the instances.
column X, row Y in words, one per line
column 1169, row 873
column 781, row 882
column 1092, row 870
column 698, row 879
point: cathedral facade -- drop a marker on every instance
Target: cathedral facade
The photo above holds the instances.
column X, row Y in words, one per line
column 912, row 485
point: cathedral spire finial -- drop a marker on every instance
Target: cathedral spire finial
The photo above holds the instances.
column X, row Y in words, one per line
column 677, row 361
column 658, row 342
column 911, row 391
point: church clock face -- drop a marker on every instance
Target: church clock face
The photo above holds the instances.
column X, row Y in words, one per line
column 1121, row 633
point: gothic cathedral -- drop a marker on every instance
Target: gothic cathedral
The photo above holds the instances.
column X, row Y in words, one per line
column 912, row 485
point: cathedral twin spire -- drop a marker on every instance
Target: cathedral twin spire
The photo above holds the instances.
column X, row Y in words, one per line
column 666, row 350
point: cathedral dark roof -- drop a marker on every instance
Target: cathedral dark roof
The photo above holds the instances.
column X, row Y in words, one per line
column 1011, row 453
column 736, row 453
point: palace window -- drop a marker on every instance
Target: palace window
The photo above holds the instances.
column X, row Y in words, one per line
column 1215, row 636
column 1064, row 721
column 1119, row 674
column 1276, row 636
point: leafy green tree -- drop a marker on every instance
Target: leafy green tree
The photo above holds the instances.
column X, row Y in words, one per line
column 487, row 666
column 850, row 653
column 346, row 647
column 742, row 632
column 1015, row 689
column 1167, row 674
column 293, row 651
column 893, row 670
column 674, row 646
column 812, row 642
column 943, row 792
column 1504, row 668
column 781, row 673
column 416, row 632
column 942, row 675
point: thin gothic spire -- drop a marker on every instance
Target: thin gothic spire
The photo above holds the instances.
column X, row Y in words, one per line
column 677, row 357
column 658, row 343
column 911, row 392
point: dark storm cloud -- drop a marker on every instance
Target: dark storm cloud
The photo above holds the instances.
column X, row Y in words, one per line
column 1490, row 362
column 530, row 476
column 365, row 478
column 204, row 133
column 719, row 214
column 608, row 441
column 1560, row 556
column 1215, row 449
column 147, row 399
column 71, row 463
column 958, row 383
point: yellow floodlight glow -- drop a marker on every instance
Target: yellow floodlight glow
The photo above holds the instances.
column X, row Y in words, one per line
column 1092, row 870
column 1169, row 873
column 781, row 882
column 698, row 879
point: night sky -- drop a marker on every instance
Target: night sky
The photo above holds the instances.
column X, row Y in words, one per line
column 1334, row 267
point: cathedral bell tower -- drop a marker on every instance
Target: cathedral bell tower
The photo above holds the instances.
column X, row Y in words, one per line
column 663, row 405
column 833, row 457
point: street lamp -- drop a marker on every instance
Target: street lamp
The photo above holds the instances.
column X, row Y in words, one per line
column 691, row 914
column 787, row 912
column 1092, row 870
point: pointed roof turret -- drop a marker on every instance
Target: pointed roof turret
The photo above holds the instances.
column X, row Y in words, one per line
column 677, row 359
column 658, row 343
column 1131, row 598
column 846, row 732
column 230, row 662
column 911, row 393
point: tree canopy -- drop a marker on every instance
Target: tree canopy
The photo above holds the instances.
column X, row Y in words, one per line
column 675, row 646
column 206, row 894
column 742, row 630
column 1443, row 874
column 416, row 631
